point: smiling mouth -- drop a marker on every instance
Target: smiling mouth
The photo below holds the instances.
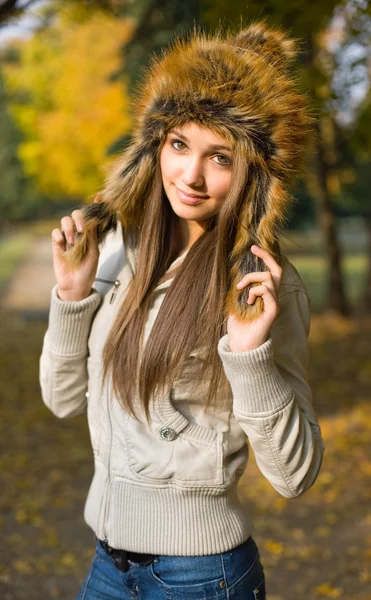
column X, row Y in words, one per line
column 192, row 196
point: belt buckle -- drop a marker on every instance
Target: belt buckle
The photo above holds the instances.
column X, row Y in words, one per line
column 118, row 557
column 121, row 562
column 144, row 562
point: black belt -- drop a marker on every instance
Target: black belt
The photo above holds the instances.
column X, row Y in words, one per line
column 121, row 558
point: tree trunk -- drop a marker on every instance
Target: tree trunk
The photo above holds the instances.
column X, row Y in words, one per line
column 321, row 184
column 367, row 291
column 336, row 299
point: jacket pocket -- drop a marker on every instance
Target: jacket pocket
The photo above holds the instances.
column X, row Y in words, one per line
column 171, row 449
column 94, row 401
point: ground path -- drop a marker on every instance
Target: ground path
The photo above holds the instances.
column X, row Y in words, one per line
column 29, row 289
column 316, row 546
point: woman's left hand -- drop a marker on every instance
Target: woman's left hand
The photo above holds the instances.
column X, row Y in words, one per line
column 244, row 336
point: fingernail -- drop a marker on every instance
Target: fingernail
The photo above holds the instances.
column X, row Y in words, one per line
column 70, row 239
column 80, row 227
column 239, row 284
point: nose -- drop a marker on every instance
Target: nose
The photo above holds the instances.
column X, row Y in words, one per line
column 193, row 174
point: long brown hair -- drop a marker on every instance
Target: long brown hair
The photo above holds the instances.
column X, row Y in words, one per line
column 192, row 314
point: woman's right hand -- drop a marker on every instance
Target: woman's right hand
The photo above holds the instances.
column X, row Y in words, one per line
column 74, row 283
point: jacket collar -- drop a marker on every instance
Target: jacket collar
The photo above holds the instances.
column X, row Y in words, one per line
column 115, row 254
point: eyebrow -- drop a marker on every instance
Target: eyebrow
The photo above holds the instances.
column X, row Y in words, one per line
column 212, row 147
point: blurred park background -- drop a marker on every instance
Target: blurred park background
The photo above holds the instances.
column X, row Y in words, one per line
column 68, row 71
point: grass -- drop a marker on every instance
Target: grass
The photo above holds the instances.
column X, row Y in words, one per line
column 307, row 251
column 313, row 270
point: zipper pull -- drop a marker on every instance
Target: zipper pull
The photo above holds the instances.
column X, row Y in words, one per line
column 114, row 293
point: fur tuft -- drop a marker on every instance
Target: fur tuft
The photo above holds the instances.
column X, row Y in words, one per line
column 98, row 217
column 270, row 43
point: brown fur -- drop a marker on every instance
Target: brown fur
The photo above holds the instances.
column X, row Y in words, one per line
column 239, row 86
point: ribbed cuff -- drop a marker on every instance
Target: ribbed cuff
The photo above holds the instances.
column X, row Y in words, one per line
column 70, row 321
column 257, row 385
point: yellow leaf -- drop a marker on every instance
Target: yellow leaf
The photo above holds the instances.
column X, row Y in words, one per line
column 273, row 547
column 331, row 518
column 280, row 504
column 68, row 559
column 322, row 531
column 327, row 590
column 365, row 576
column 325, row 478
column 22, row 567
column 21, row 516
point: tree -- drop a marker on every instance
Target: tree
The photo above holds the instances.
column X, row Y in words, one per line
column 352, row 28
column 356, row 151
column 156, row 22
column 13, row 9
column 18, row 198
column 65, row 104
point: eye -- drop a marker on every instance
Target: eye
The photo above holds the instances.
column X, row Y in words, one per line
column 173, row 142
column 223, row 160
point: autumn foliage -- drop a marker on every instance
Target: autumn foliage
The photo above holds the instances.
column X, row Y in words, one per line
column 67, row 107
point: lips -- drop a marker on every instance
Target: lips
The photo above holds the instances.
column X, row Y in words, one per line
column 190, row 198
column 192, row 195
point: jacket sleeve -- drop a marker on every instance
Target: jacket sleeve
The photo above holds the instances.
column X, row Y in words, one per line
column 272, row 400
column 63, row 361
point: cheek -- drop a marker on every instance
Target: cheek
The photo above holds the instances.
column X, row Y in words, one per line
column 167, row 164
column 221, row 185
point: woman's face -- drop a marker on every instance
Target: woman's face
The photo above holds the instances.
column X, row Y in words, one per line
column 196, row 167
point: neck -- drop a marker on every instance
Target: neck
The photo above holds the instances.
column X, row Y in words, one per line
column 186, row 233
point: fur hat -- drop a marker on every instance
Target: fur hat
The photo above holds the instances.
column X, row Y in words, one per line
column 239, row 86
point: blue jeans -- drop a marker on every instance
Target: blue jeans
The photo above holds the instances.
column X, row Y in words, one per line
column 233, row 575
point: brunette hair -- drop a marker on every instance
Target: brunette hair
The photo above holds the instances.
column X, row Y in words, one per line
column 192, row 315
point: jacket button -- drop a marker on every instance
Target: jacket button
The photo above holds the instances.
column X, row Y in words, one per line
column 168, row 434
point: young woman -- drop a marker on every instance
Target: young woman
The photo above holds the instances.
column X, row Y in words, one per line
column 180, row 327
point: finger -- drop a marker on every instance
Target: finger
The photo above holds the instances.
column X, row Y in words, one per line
column 255, row 277
column 58, row 241
column 78, row 218
column 267, row 284
column 264, row 292
column 258, row 290
column 271, row 263
column 67, row 225
column 273, row 266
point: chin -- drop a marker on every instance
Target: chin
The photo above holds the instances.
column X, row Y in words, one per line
column 190, row 213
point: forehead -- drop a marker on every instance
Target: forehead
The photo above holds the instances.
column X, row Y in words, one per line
column 200, row 134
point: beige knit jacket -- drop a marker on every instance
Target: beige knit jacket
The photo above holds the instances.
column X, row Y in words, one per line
column 171, row 487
